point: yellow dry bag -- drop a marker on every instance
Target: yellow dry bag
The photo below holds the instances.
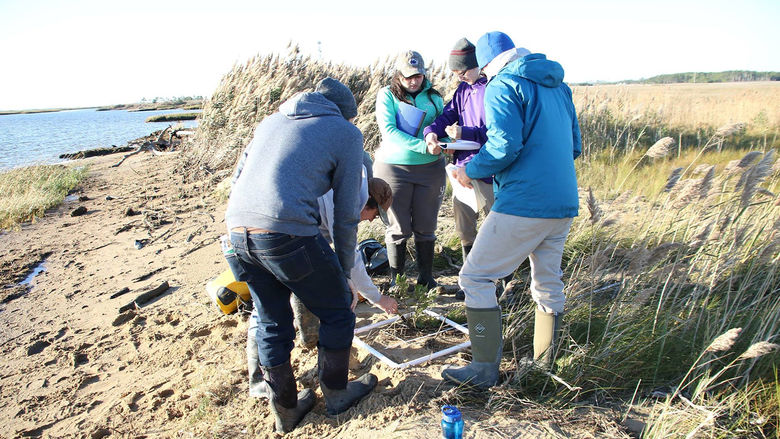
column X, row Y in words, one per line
column 228, row 293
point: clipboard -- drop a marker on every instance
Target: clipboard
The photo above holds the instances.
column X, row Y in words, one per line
column 409, row 118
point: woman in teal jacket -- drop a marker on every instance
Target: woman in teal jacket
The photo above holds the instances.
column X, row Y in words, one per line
column 414, row 170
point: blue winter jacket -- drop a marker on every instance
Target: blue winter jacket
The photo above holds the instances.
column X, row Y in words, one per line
column 533, row 139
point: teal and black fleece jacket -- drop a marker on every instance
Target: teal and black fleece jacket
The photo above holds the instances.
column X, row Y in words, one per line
column 397, row 147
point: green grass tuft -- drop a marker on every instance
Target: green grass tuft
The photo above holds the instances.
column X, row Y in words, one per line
column 26, row 193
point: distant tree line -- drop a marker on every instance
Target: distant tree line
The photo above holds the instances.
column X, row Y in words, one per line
column 704, row 77
column 172, row 100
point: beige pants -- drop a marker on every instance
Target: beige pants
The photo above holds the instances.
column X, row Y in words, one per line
column 502, row 244
column 466, row 217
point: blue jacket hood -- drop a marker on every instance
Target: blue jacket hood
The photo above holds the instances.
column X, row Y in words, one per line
column 309, row 104
column 537, row 68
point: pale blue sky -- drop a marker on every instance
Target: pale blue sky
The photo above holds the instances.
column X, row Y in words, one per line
column 90, row 52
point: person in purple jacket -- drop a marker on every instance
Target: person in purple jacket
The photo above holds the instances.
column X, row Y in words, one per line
column 464, row 118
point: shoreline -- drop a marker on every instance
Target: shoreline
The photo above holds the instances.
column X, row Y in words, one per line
column 74, row 366
column 189, row 105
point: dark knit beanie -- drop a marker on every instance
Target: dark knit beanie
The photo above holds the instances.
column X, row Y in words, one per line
column 463, row 56
column 340, row 95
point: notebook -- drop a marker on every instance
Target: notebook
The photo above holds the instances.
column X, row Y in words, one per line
column 409, row 118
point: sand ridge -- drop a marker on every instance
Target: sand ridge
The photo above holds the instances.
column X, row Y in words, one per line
column 175, row 367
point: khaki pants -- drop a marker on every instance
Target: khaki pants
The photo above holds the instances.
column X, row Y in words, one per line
column 502, row 244
column 466, row 217
column 418, row 191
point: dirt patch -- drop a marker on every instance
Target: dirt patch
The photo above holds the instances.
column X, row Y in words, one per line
column 175, row 367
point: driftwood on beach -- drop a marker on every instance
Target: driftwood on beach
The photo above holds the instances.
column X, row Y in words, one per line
column 157, row 145
column 144, row 298
column 95, row 152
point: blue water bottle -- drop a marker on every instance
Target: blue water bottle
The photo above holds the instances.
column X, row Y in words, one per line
column 451, row 422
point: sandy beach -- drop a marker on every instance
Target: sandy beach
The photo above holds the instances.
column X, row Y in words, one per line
column 74, row 367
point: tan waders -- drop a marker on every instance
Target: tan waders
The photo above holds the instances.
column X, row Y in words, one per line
column 546, row 327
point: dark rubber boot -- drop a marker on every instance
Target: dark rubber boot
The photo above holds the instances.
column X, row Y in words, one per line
column 486, row 347
column 466, row 249
column 288, row 407
column 257, row 389
column 396, row 256
column 339, row 393
column 425, row 263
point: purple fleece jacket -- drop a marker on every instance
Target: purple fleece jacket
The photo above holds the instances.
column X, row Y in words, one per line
column 467, row 109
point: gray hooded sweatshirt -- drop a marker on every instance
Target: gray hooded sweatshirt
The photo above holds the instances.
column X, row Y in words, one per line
column 296, row 155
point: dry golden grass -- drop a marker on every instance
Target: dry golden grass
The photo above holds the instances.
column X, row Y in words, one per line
column 684, row 248
column 691, row 106
column 255, row 89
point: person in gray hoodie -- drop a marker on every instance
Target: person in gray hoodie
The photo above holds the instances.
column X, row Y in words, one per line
column 296, row 155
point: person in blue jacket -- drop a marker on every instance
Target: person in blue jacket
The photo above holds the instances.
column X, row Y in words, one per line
column 533, row 139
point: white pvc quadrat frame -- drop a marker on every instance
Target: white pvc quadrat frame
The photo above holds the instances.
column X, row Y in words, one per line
column 415, row 361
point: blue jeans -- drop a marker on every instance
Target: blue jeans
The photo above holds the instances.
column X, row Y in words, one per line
column 276, row 264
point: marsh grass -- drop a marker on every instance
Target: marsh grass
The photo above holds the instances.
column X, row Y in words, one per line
column 675, row 245
column 655, row 296
column 26, row 193
column 624, row 117
column 172, row 117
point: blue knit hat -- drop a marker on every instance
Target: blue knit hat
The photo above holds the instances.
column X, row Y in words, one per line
column 491, row 45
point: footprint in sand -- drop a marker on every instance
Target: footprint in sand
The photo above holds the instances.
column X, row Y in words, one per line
column 200, row 333
column 37, row 347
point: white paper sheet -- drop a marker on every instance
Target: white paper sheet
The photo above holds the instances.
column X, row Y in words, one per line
column 463, row 194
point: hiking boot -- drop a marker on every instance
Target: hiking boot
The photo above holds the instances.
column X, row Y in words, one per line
column 287, row 407
column 307, row 323
column 425, row 251
column 339, row 393
column 396, row 257
column 486, row 347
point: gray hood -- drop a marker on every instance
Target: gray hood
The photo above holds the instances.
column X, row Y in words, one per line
column 308, row 104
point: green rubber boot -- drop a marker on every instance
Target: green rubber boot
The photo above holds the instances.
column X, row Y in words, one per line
column 308, row 324
column 486, row 347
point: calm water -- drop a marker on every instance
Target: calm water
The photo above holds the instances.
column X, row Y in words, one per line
column 27, row 139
